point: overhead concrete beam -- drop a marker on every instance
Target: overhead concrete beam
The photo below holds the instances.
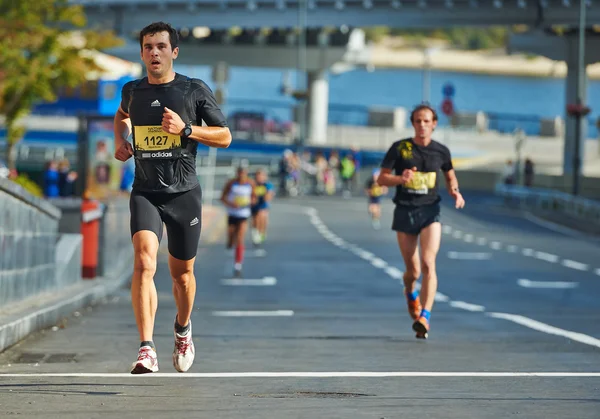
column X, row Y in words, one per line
column 128, row 15
column 554, row 47
column 243, row 55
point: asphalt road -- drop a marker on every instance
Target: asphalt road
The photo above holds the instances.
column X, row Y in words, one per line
column 323, row 330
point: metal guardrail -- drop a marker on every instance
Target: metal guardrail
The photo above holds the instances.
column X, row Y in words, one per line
column 28, row 238
column 550, row 200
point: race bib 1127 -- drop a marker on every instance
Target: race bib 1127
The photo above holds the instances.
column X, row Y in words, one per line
column 153, row 138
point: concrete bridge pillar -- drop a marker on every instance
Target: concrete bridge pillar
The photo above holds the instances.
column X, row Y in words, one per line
column 318, row 104
column 564, row 48
column 574, row 74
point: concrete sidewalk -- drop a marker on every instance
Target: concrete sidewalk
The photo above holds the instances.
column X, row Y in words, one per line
column 52, row 309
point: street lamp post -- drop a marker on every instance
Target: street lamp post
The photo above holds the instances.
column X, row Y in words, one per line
column 580, row 110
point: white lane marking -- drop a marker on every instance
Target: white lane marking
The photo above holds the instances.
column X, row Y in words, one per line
column 511, row 248
column 546, row 328
column 468, row 238
column 575, row 265
column 442, row 298
column 526, row 283
column 548, row 257
column 292, row 374
column 482, row 241
column 469, row 255
column 527, row 252
column 310, row 211
column 379, row 263
column 250, row 313
column 260, row 253
column 496, row 245
column 597, row 271
column 457, row 234
column 241, row 282
column 446, row 229
column 466, row 306
column 394, row 272
column 366, row 255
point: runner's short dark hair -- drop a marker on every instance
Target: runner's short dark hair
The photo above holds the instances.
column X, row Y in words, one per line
column 157, row 27
column 421, row 107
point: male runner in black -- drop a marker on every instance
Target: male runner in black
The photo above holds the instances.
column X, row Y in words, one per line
column 416, row 162
column 164, row 112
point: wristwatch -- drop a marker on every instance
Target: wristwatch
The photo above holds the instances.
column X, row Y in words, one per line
column 187, row 130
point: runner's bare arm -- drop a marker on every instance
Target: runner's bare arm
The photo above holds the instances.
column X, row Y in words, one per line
column 386, row 178
column 122, row 127
column 269, row 195
column 226, row 190
column 452, row 186
column 219, row 137
column 451, row 181
column 211, row 136
column 253, row 197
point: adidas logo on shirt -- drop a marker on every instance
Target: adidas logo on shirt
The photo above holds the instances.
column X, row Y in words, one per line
column 194, row 221
column 155, row 103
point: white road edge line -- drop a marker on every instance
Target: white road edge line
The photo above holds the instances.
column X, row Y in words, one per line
column 251, row 313
column 467, row 306
column 292, row 374
column 239, row 282
column 526, row 283
column 546, row 328
column 496, row 245
column 568, row 263
column 469, row 255
column 548, row 257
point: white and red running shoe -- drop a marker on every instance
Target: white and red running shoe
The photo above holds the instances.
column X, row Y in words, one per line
column 146, row 361
column 183, row 354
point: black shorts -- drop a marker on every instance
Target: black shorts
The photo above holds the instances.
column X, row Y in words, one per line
column 411, row 220
column 374, row 200
column 232, row 220
column 181, row 213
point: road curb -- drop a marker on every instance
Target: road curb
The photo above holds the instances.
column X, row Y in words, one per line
column 59, row 305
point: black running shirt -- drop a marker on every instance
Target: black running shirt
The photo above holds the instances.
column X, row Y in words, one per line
column 165, row 162
column 423, row 188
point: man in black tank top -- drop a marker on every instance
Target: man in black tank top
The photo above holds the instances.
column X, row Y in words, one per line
column 164, row 112
column 416, row 162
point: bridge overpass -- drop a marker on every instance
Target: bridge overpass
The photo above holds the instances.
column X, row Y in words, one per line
column 130, row 15
column 127, row 17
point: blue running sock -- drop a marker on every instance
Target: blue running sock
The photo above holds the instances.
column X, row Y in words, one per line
column 412, row 296
column 426, row 314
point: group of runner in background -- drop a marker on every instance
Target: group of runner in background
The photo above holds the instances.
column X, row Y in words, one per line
column 247, row 197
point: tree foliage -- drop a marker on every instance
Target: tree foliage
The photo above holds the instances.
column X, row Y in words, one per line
column 467, row 38
column 42, row 48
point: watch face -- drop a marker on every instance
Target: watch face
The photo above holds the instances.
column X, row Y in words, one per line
column 187, row 131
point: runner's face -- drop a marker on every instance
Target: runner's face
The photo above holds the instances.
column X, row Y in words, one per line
column 261, row 177
column 423, row 123
column 157, row 54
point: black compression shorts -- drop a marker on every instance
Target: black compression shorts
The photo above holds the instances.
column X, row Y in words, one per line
column 181, row 212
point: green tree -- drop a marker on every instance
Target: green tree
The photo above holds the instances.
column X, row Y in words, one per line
column 376, row 33
column 42, row 48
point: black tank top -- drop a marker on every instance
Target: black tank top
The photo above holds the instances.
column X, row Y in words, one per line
column 165, row 162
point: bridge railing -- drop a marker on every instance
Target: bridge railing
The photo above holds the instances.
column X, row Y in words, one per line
column 550, row 200
column 28, row 241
